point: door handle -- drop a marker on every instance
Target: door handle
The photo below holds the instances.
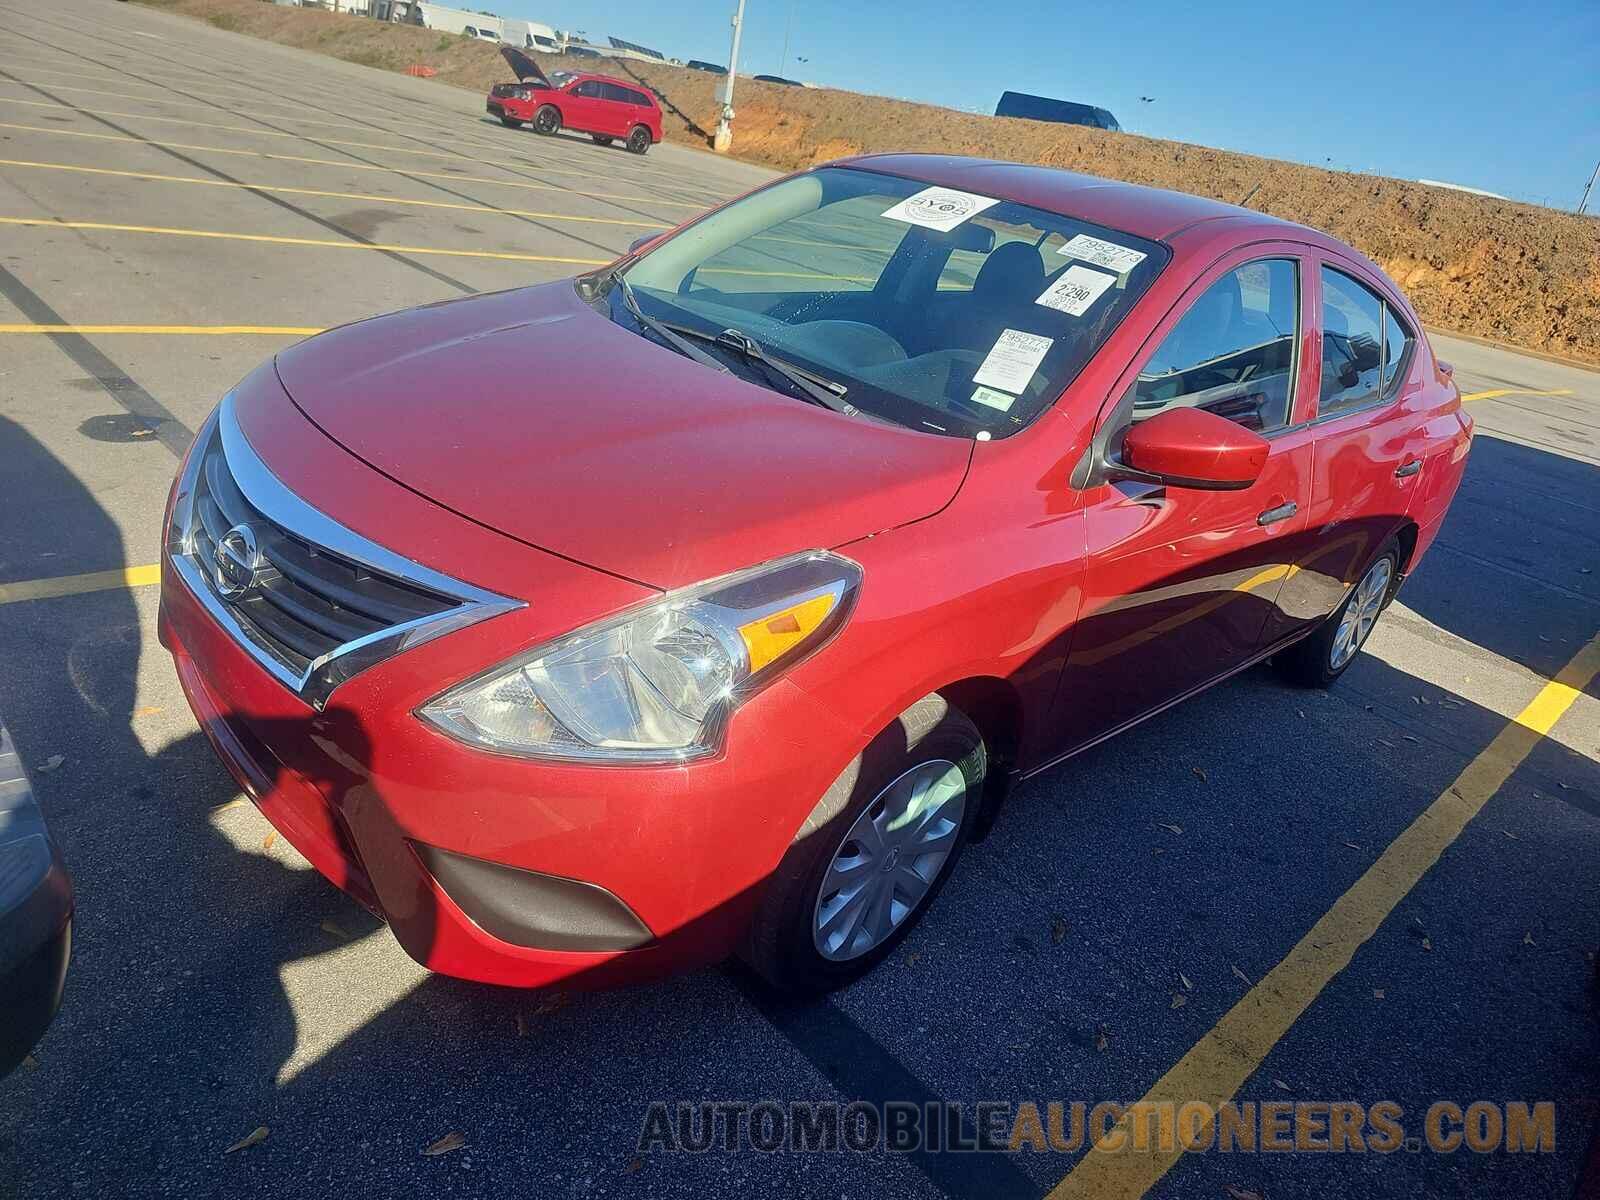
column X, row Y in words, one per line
column 1282, row 512
column 1407, row 470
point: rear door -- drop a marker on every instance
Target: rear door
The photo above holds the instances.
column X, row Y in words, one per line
column 1369, row 438
column 1180, row 581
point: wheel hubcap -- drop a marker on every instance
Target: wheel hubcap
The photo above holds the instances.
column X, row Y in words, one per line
column 886, row 865
column 1361, row 612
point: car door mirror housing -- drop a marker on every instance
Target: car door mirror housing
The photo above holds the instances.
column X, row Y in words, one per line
column 1189, row 447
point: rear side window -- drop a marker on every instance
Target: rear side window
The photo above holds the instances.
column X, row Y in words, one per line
column 1397, row 341
column 1232, row 353
column 639, row 98
column 1353, row 320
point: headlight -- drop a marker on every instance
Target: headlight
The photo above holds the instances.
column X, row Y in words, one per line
column 658, row 683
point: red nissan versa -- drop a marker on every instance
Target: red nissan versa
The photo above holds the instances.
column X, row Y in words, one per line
column 598, row 105
column 707, row 602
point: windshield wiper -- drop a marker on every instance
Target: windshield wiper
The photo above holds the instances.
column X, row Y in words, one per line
column 664, row 332
column 814, row 387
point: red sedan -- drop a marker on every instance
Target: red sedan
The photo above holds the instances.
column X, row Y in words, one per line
column 710, row 602
column 605, row 108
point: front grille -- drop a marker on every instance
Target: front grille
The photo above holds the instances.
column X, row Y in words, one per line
column 308, row 597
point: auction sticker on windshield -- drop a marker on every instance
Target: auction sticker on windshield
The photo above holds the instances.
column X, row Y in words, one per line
column 1012, row 360
column 1103, row 253
column 1076, row 289
column 939, row 208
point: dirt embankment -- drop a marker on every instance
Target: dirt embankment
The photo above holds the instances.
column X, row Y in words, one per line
column 1511, row 272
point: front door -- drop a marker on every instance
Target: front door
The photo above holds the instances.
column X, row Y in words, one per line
column 584, row 109
column 1180, row 581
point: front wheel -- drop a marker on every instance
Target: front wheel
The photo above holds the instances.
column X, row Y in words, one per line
column 547, row 120
column 873, row 854
column 638, row 140
column 1317, row 660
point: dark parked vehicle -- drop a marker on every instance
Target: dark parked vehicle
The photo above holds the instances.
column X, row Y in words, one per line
column 778, row 79
column 35, row 915
column 694, row 64
column 1062, row 112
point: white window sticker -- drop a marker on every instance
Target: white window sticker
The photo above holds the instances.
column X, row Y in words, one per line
column 939, row 208
column 1075, row 290
column 994, row 399
column 1103, row 253
column 1012, row 360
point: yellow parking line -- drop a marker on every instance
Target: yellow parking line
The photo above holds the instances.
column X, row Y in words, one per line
column 352, row 166
column 1219, row 1064
column 1497, row 392
column 325, row 243
column 197, row 330
column 295, row 191
column 279, row 133
column 76, row 585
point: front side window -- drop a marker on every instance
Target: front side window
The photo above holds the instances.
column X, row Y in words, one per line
column 1232, row 353
column 588, row 89
column 954, row 313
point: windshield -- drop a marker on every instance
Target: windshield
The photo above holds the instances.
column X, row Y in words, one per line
column 941, row 310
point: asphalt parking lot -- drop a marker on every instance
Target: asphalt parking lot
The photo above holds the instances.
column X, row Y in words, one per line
column 1169, row 914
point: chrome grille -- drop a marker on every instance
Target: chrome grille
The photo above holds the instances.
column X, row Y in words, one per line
column 313, row 601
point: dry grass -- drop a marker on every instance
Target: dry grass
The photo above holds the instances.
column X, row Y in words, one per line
column 1510, row 272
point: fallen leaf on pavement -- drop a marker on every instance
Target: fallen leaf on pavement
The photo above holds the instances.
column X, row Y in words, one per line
column 1377, row 993
column 30, row 1062
column 1511, row 835
column 1389, row 745
column 1173, row 828
column 1102, row 1038
column 522, row 1025
column 1184, row 979
column 271, row 836
column 1201, row 775
column 1243, row 976
column 1527, row 939
column 1280, row 1084
column 50, row 764
column 1179, row 999
column 1409, row 738
column 913, row 958
column 449, row 1142
column 1058, row 931
column 1236, row 1192
column 1352, row 845
column 254, row 1138
column 635, row 1164
column 333, row 928
column 1427, row 943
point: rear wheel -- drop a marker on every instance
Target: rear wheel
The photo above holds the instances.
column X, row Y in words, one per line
column 874, row 853
column 638, row 140
column 511, row 122
column 547, row 120
column 601, row 139
column 1317, row 660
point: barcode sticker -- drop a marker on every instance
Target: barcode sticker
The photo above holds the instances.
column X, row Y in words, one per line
column 1012, row 361
column 1075, row 290
column 1102, row 253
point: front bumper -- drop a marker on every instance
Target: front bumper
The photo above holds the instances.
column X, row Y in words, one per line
column 35, row 915
column 485, row 866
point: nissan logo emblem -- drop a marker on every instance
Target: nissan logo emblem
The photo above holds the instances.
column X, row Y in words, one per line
column 236, row 561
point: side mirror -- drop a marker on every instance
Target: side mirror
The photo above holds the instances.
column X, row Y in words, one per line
column 639, row 243
column 1189, row 447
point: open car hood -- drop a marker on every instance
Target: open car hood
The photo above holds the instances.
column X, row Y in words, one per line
column 527, row 70
column 533, row 414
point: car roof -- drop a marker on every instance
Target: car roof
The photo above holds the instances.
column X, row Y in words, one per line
column 631, row 85
column 1147, row 212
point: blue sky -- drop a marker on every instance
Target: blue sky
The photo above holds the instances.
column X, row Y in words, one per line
column 1491, row 95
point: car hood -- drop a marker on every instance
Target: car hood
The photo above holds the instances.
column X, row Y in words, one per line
column 527, row 70
column 532, row 414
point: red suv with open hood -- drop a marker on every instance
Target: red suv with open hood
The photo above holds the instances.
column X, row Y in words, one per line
column 710, row 601
column 607, row 109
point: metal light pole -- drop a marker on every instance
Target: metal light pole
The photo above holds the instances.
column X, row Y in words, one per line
column 788, row 29
column 1584, row 203
column 723, row 138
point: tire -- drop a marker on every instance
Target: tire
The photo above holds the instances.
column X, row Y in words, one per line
column 931, row 748
column 547, row 120
column 638, row 140
column 1321, row 657
column 601, row 140
column 511, row 122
